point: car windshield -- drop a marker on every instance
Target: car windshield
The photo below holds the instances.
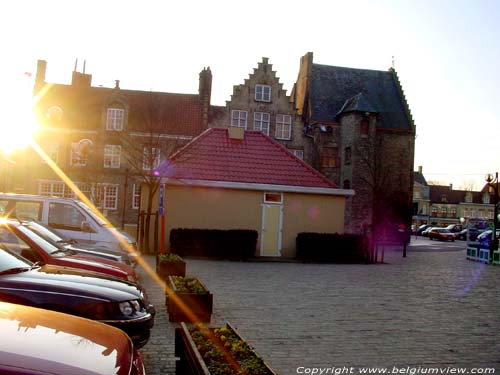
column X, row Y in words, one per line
column 46, row 246
column 44, row 232
column 10, row 262
column 97, row 218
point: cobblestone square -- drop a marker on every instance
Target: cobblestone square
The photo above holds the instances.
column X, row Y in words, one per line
column 432, row 309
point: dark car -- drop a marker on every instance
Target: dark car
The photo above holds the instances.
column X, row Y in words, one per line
column 442, row 234
column 39, row 342
column 422, row 228
column 77, row 292
column 57, row 239
column 19, row 239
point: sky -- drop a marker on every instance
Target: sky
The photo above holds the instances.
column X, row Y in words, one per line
column 446, row 54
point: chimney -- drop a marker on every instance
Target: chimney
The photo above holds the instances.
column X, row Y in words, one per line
column 451, row 186
column 41, row 68
column 236, row 133
column 205, row 92
column 420, row 169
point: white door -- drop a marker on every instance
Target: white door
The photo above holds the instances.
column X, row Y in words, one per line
column 271, row 230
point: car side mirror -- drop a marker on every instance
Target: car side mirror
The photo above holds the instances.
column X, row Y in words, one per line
column 86, row 227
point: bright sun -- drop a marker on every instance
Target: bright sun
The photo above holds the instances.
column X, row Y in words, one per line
column 18, row 126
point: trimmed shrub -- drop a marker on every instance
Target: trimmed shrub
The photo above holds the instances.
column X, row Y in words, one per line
column 238, row 244
column 331, row 247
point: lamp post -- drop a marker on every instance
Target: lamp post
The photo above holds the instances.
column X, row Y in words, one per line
column 493, row 184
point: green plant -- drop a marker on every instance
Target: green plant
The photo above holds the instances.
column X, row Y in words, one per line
column 169, row 257
column 188, row 284
column 225, row 353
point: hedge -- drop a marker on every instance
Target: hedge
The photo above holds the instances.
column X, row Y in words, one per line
column 331, row 247
column 227, row 244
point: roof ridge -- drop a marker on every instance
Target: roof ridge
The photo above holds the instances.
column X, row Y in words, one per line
column 283, row 149
column 190, row 144
column 350, row 68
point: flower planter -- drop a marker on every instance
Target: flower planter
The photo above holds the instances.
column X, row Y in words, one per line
column 170, row 264
column 209, row 351
column 188, row 294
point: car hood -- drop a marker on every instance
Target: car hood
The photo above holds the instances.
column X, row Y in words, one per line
column 93, row 264
column 57, row 343
column 114, row 265
column 86, row 284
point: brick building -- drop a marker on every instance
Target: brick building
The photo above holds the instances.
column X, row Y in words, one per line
column 363, row 138
column 108, row 140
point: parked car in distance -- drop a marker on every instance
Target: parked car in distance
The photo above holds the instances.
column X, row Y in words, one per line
column 54, row 237
column 442, row 234
column 77, row 292
column 422, row 228
column 19, row 239
column 425, row 233
column 455, row 228
column 470, row 234
column 39, row 342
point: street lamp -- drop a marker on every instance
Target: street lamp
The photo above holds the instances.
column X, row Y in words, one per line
column 493, row 184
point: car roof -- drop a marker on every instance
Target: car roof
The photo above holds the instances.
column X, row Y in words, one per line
column 44, row 341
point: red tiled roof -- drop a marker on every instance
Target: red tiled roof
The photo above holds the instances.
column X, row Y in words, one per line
column 83, row 108
column 257, row 158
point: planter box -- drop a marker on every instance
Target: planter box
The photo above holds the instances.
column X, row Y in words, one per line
column 165, row 268
column 191, row 362
column 200, row 305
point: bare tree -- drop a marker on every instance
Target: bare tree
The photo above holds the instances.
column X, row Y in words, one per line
column 145, row 146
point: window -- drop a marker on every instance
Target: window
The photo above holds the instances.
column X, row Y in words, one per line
column 364, row 128
column 52, row 150
column 112, row 156
column 136, row 196
column 486, row 198
column 107, row 196
column 346, row 184
column 298, row 153
column 64, row 216
column 273, row 198
column 151, row 158
column 59, row 189
column 239, row 118
column 114, row 120
column 261, row 122
column 330, row 157
column 283, row 126
column 262, row 93
column 347, row 156
column 468, row 197
column 55, row 114
column 80, row 153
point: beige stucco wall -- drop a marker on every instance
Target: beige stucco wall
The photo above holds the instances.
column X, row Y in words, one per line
column 214, row 208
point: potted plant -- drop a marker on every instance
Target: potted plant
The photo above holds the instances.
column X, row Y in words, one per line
column 170, row 264
column 215, row 351
column 188, row 300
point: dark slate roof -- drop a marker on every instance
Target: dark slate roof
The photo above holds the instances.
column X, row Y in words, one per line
column 358, row 103
column 255, row 159
column 437, row 192
column 419, row 178
column 333, row 86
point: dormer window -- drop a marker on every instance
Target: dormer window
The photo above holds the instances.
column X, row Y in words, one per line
column 114, row 119
column 468, row 197
column 263, row 93
column 486, row 198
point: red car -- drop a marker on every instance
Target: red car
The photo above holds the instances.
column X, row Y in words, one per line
column 19, row 239
column 40, row 342
column 442, row 234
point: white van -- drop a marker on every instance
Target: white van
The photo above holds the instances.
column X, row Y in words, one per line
column 71, row 217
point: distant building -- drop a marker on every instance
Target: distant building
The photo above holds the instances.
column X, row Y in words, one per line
column 363, row 139
column 106, row 139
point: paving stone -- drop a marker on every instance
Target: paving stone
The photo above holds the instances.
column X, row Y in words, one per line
column 433, row 308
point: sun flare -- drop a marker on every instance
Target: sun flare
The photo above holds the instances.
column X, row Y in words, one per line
column 19, row 125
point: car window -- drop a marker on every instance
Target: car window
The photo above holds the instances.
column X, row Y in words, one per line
column 24, row 210
column 9, row 261
column 64, row 216
column 10, row 241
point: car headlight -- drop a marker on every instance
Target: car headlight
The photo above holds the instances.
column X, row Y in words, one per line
column 130, row 308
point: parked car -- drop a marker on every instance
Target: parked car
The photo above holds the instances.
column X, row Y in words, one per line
column 77, row 292
column 442, row 234
column 19, row 239
column 422, row 228
column 455, row 228
column 469, row 234
column 425, row 233
column 72, row 217
column 39, row 342
column 54, row 237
